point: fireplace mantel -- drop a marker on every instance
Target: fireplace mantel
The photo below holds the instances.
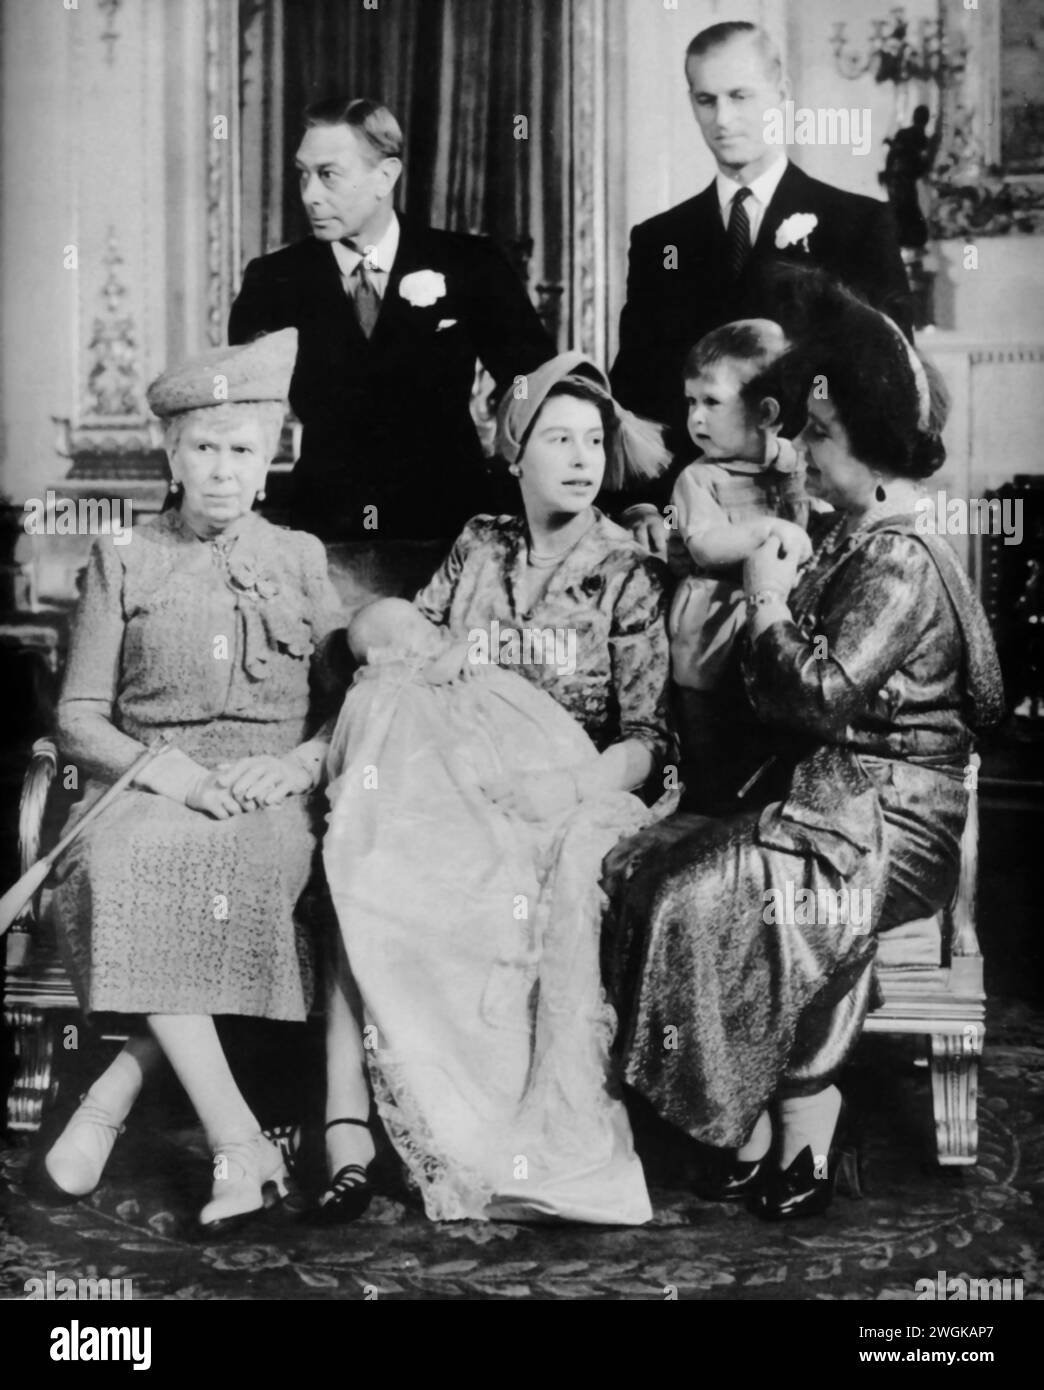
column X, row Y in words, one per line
column 996, row 419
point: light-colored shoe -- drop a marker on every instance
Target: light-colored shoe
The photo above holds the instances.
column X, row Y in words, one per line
column 249, row 1176
column 75, row 1162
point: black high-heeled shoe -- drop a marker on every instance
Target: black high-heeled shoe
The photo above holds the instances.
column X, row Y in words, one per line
column 349, row 1192
column 739, row 1179
column 807, row 1187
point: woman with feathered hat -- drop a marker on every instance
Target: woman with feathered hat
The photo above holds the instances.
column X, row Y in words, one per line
column 468, row 827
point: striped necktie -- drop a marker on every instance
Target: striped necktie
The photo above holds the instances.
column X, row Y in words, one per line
column 365, row 298
column 739, row 234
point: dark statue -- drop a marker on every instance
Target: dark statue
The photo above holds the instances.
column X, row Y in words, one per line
column 910, row 156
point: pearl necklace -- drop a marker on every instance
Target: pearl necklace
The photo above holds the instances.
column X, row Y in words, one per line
column 878, row 511
column 547, row 562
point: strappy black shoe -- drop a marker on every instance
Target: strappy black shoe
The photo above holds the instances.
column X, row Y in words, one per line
column 348, row 1194
column 287, row 1139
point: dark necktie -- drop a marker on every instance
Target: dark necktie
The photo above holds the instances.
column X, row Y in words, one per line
column 365, row 297
column 739, row 234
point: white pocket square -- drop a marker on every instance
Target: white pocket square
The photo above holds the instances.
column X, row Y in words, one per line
column 445, row 323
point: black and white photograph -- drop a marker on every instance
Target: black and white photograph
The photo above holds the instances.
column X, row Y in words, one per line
column 522, row 616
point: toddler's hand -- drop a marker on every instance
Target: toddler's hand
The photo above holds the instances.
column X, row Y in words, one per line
column 450, row 665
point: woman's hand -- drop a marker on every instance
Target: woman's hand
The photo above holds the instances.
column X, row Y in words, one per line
column 534, row 796
column 794, row 539
column 212, row 799
column 648, row 528
column 263, row 780
column 770, row 567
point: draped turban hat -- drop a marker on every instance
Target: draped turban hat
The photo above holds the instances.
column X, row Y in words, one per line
column 636, row 449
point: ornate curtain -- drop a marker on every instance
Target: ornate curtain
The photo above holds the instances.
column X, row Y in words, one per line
column 479, row 88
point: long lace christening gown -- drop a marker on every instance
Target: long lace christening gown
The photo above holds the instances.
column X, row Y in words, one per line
column 473, row 935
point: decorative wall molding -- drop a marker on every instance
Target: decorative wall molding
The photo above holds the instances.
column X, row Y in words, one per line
column 116, row 133
column 971, row 194
column 221, row 83
column 261, row 125
column 587, row 178
column 1033, row 352
column 113, row 373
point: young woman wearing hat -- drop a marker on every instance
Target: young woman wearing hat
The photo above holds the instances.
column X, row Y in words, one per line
column 473, row 955
column 178, row 903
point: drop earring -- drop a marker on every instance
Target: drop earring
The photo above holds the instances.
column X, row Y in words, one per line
column 880, row 493
column 515, row 471
column 173, row 487
column 260, row 495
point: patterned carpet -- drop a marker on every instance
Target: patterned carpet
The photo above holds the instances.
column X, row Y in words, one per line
column 912, row 1221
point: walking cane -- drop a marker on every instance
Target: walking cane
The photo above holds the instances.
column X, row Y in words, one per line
column 16, row 898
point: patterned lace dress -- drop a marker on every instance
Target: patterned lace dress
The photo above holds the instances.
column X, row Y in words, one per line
column 159, row 908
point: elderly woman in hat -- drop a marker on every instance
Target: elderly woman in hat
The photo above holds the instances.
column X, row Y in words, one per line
column 470, row 818
column 178, row 903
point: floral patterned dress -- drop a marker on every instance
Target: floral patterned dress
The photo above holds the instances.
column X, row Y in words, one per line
column 607, row 590
column 161, row 909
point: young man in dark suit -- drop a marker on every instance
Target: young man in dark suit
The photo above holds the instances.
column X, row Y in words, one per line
column 391, row 316
column 709, row 260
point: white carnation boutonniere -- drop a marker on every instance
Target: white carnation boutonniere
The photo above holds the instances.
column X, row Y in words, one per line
column 797, row 228
column 422, row 287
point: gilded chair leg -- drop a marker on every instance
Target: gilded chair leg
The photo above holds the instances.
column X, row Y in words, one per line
column 955, row 1084
column 33, row 1082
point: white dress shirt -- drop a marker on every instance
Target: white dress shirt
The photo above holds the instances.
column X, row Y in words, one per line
column 379, row 259
column 761, row 190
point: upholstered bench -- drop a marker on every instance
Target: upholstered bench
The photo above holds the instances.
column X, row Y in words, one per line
column 930, row 975
column 929, row 972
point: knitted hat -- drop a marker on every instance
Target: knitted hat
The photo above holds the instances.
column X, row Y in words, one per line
column 257, row 371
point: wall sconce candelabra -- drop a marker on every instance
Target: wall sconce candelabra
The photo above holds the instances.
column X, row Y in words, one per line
column 894, row 53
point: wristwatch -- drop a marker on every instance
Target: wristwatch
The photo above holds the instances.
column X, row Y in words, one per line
column 762, row 597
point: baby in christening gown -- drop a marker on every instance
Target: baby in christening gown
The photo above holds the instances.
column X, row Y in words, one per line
column 473, row 934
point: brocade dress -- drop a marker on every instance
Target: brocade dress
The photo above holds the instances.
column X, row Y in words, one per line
column 160, row 908
column 473, row 934
column 728, row 999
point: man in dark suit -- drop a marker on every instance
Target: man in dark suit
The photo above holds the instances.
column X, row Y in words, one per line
column 710, row 259
column 391, row 316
